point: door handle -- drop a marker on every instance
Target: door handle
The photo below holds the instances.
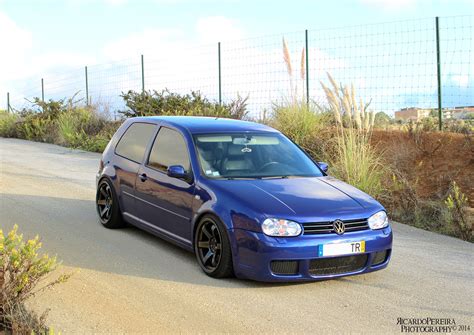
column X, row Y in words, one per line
column 142, row 176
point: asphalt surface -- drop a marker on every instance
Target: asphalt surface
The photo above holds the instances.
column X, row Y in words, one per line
column 130, row 281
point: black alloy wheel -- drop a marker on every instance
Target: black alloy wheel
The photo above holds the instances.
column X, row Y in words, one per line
column 213, row 248
column 107, row 206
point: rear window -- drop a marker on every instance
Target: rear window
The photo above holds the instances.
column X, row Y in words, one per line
column 133, row 143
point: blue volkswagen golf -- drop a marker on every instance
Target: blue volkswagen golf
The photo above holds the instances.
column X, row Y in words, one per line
column 241, row 196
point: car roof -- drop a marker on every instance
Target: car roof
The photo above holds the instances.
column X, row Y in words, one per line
column 203, row 124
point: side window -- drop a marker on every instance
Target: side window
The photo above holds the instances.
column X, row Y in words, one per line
column 169, row 149
column 133, row 143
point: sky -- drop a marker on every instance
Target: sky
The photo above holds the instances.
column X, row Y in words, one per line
column 56, row 39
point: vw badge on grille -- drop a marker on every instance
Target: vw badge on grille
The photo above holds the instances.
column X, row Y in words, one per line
column 339, row 227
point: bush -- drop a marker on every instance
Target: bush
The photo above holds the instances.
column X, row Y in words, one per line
column 167, row 103
column 302, row 125
column 81, row 128
column 457, row 204
column 21, row 269
column 36, row 127
column 60, row 122
column 8, row 124
column 39, row 122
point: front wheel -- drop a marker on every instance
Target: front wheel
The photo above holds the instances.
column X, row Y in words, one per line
column 108, row 206
column 212, row 248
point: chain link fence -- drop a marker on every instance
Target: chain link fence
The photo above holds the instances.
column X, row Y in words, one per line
column 393, row 65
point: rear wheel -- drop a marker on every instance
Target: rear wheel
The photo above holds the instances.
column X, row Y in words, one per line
column 212, row 248
column 107, row 206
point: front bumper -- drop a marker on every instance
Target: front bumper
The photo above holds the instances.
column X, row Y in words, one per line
column 255, row 252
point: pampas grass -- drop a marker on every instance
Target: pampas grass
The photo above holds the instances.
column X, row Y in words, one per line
column 291, row 74
column 353, row 159
column 303, row 65
column 287, row 58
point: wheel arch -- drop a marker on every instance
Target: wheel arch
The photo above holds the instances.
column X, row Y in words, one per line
column 223, row 218
column 113, row 183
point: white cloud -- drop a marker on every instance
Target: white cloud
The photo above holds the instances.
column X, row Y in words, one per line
column 149, row 42
column 21, row 61
column 461, row 80
column 13, row 58
column 116, row 2
column 17, row 41
column 213, row 29
column 391, row 4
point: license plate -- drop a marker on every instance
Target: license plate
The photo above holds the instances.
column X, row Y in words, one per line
column 337, row 249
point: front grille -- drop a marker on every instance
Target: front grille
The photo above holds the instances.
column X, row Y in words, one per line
column 379, row 257
column 314, row 228
column 337, row 265
column 284, row 267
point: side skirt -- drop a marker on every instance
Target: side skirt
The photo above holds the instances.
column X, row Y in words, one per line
column 164, row 234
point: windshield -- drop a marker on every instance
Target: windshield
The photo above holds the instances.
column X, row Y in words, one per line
column 258, row 155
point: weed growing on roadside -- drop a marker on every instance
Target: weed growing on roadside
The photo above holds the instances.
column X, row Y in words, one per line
column 21, row 270
column 8, row 124
column 457, row 204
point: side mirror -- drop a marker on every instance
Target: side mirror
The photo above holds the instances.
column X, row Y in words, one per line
column 323, row 166
column 177, row 171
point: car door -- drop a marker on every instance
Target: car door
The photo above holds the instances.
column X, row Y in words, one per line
column 162, row 201
column 130, row 152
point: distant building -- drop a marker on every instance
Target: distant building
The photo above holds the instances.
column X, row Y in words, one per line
column 416, row 114
column 459, row 113
column 412, row 114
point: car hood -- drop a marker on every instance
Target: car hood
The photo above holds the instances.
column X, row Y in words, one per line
column 317, row 198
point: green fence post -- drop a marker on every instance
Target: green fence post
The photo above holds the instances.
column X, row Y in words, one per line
column 87, row 87
column 307, row 67
column 42, row 89
column 8, row 102
column 143, row 76
column 438, row 61
column 219, row 70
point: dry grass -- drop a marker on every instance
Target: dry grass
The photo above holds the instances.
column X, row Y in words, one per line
column 289, row 68
column 352, row 157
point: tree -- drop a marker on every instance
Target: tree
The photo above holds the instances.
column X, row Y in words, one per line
column 382, row 120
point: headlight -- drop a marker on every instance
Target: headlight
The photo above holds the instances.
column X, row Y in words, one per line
column 279, row 227
column 378, row 220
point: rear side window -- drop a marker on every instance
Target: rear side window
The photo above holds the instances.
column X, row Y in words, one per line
column 133, row 143
column 169, row 149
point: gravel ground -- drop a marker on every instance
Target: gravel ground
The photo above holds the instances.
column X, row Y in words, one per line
column 130, row 281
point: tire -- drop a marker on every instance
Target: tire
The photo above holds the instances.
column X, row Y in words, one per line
column 212, row 248
column 107, row 206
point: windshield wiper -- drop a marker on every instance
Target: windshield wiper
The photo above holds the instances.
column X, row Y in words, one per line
column 275, row 177
column 257, row 177
column 237, row 178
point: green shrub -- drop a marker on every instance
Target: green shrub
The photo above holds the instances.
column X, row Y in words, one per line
column 39, row 122
column 301, row 124
column 36, row 127
column 457, row 205
column 169, row 103
column 8, row 124
column 21, row 269
column 81, row 128
column 382, row 120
